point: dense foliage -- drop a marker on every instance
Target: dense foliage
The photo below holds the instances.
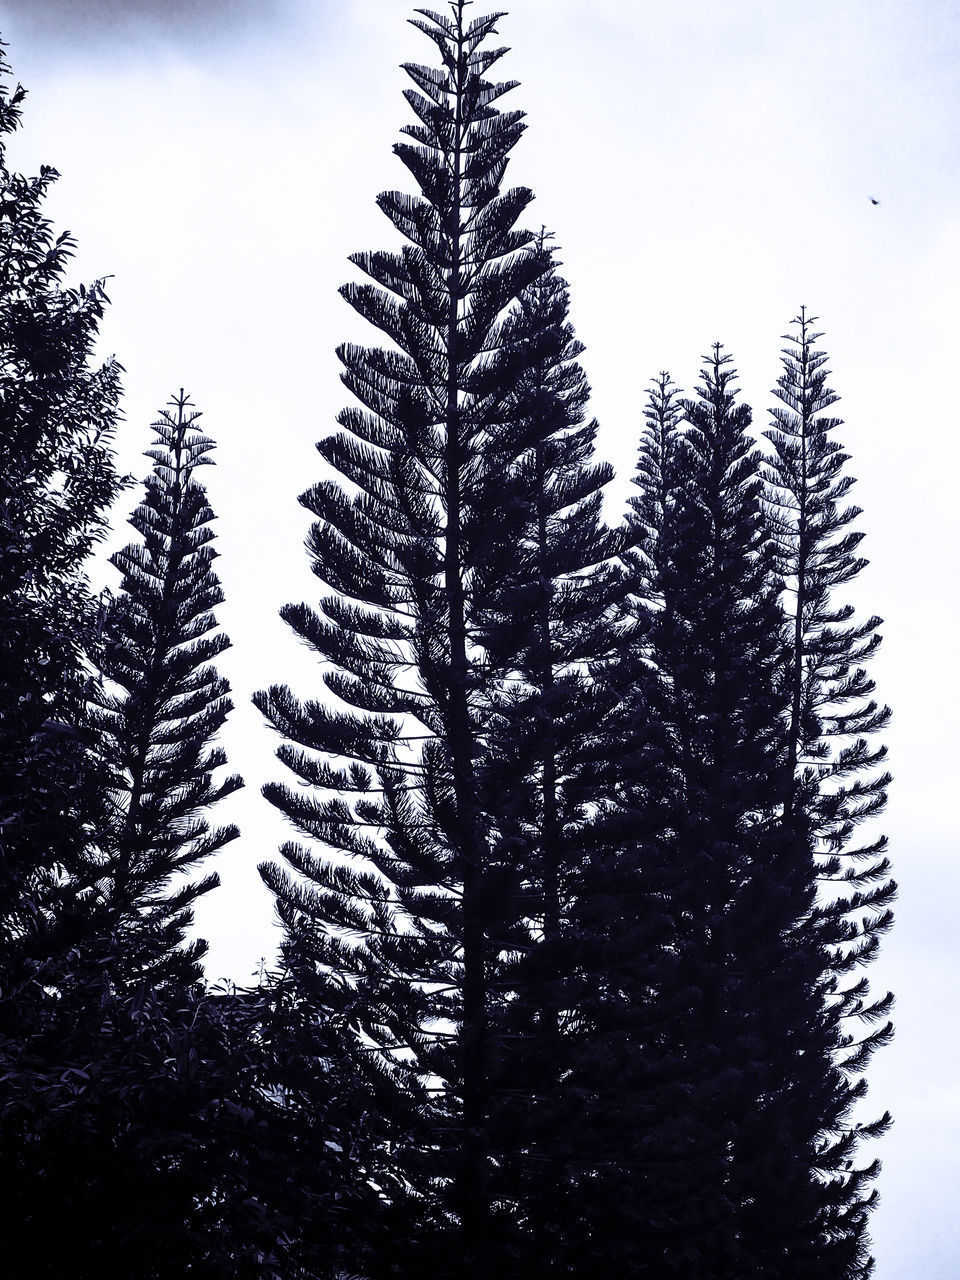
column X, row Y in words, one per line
column 157, row 705
column 573, row 928
column 58, row 412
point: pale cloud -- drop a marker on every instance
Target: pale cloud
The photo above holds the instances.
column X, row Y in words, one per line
column 115, row 27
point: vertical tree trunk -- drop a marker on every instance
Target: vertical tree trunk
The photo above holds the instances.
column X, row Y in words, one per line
column 472, row 1188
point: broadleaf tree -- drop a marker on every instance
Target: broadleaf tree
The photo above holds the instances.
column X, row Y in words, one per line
column 58, row 413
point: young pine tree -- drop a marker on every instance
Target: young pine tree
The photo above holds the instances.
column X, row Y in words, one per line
column 131, row 1077
column 649, row 508
column 161, row 703
column 831, row 715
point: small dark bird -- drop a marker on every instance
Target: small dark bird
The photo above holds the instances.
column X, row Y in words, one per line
column 872, row 201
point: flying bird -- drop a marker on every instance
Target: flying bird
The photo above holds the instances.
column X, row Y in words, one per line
column 872, row 201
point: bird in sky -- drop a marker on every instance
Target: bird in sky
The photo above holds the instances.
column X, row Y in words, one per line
column 872, row 201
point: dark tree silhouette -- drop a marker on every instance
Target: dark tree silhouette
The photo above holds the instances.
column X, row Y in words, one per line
column 649, row 509
column 549, row 630
column 160, row 704
column 57, row 479
column 117, row 1127
column 417, row 927
column 573, row 938
column 630, row 1122
column 714, row 641
column 831, row 715
column 749, row 1133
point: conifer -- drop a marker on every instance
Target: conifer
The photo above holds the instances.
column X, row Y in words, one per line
column 825, row 796
column 159, row 706
column 550, row 632
column 713, row 641
column 404, row 931
column 649, row 509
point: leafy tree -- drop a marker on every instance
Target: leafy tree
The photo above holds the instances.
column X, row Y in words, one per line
column 825, row 796
column 57, row 480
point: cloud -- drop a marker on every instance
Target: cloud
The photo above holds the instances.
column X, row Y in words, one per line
column 62, row 24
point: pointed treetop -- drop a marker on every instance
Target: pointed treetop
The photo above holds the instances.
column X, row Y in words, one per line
column 440, row 28
column 178, row 436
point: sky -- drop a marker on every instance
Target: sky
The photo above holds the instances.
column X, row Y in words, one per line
column 707, row 169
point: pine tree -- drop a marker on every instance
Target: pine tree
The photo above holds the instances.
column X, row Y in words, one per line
column 628, row 1078
column 751, row 692
column 831, row 716
column 160, row 704
column 649, row 509
column 411, row 936
column 551, row 628
column 713, row 642
column 175, row 1103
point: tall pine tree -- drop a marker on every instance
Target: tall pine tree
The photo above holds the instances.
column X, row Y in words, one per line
column 713, row 642
column 551, row 625
column 409, row 926
column 131, row 1074
column 833, row 781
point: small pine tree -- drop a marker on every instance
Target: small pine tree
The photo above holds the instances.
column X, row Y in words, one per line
column 649, row 509
column 125, row 1073
column 159, row 705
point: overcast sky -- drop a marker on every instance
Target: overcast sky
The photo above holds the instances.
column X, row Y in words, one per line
column 707, row 168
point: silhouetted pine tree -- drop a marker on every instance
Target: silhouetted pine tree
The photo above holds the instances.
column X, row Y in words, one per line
column 714, row 642
column 649, row 509
column 117, row 1133
column 831, row 715
column 552, row 621
column 159, row 707
column 636, row 1166
column 152, row 1124
column 403, row 931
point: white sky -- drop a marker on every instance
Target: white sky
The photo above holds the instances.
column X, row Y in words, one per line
column 707, row 169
